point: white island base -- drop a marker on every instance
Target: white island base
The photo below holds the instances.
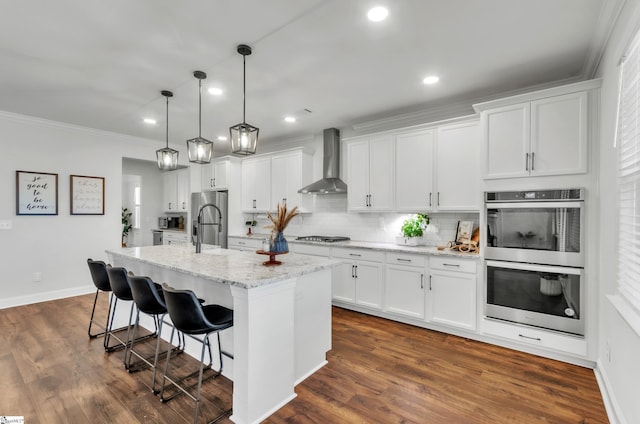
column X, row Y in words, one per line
column 282, row 315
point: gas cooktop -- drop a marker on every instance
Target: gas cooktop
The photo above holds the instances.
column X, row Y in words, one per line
column 326, row 239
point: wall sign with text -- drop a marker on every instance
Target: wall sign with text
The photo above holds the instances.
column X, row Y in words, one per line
column 87, row 195
column 36, row 193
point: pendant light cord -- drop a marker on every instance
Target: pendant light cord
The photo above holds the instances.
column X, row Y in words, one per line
column 167, row 121
column 244, row 87
column 199, row 108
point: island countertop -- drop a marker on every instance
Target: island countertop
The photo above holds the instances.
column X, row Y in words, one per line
column 243, row 269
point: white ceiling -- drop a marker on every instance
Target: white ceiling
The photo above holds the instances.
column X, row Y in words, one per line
column 102, row 63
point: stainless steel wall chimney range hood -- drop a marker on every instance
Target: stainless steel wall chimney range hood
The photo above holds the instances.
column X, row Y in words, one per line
column 330, row 182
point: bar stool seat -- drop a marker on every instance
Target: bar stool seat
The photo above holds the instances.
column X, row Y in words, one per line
column 193, row 320
column 100, row 278
column 121, row 287
column 149, row 299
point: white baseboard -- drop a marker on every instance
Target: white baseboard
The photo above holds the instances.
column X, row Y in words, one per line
column 45, row 296
column 610, row 404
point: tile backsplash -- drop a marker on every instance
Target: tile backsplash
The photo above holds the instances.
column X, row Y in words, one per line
column 330, row 217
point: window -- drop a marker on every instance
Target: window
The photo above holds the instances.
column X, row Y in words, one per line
column 628, row 141
column 136, row 208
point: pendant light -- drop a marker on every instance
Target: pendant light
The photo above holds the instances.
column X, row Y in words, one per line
column 200, row 149
column 244, row 137
column 167, row 157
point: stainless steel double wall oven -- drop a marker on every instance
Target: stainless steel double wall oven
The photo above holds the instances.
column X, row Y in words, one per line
column 534, row 253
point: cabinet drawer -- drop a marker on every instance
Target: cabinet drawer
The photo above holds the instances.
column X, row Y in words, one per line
column 244, row 243
column 358, row 254
column 406, row 259
column 534, row 337
column 453, row 264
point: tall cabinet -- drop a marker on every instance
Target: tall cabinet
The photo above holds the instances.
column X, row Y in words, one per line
column 370, row 174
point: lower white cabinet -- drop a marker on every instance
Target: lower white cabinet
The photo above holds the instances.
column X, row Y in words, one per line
column 310, row 249
column 404, row 288
column 452, row 292
column 171, row 237
column 246, row 244
column 359, row 278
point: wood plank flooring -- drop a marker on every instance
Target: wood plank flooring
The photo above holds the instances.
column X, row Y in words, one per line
column 379, row 371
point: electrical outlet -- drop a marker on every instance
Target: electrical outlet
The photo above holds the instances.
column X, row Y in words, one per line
column 6, row 224
column 37, row 277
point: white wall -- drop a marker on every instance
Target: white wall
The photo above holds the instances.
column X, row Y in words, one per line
column 620, row 371
column 58, row 246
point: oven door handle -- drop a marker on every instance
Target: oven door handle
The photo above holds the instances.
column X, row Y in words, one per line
column 534, row 267
column 535, row 205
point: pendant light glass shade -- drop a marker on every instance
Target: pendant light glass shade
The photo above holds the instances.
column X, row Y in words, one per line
column 244, row 137
column 200, row 149
column 167, row 157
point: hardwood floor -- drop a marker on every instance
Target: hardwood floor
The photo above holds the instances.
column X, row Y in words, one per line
column 379, row 371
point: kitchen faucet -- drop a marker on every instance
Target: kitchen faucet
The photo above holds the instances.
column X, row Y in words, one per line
column 202, row 224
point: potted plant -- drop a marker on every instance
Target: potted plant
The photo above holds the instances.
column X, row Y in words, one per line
column 126, row 225
column 413, row 229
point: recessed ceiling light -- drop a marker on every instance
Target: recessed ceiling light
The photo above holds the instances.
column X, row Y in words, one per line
column 222, row 138
column 432, row 79
column 149, row 121
column 377, row 14
column 289, row 119
column 215, row 91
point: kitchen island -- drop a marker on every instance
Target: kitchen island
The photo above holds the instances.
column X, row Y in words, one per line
column 282, row 314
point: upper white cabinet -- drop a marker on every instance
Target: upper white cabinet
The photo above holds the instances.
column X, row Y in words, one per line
column 414, row 171
column 290, row 171
column 438, row 169
column 537, row 134
column 256, row 184
column 457, row 167
column 215, row 176
column 370, row 174
column 176, row 191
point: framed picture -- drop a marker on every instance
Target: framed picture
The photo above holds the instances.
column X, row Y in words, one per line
column 36, row 193
column 463, row 234
column 87, row 195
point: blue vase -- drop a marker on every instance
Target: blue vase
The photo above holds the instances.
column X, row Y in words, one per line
column 279, row 244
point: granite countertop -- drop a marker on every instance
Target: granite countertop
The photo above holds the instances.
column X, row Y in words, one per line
column 386, row 247
column 243, row 269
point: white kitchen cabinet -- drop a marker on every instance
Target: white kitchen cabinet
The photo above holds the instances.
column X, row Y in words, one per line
column 414, row 171
column 256, row 184
column 547, row 136
column 244, row 244
column 290, row 171
column 405, row 282
column 215, row 175
column 370, row 174
column 172, row 237
column 452, row 292
column 359, row 279
column 176, row 191
column 457, row 167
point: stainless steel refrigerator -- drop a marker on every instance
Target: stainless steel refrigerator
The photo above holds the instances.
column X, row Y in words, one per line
column 215, row 228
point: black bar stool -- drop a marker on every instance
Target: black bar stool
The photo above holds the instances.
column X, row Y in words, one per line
column 149, row 299
column 121, row 287
column 100, row 279
column 193, row 319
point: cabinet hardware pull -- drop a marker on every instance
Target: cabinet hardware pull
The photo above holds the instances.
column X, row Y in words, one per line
column 211, row 182
column 429, row 199
column 254, row 203
column 356, row 271
column 353, row 271
column 455, row 265
column 438, row 198
column 526, row 162
column 421, row 281
column 184, row 206
column 403, row 260
column 214, row 182
column 366, row 200
column 169, row 205
column 530, row 338
column 355, row 254
column 429, row 282
column 533, row 156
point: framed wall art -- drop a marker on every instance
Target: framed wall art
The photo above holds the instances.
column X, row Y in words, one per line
column 36, row 193
column 463, row 233
column 87, row 195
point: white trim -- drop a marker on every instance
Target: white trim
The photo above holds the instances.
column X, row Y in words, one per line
column 45, row 296
column 628, row 312
column 610, row 404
